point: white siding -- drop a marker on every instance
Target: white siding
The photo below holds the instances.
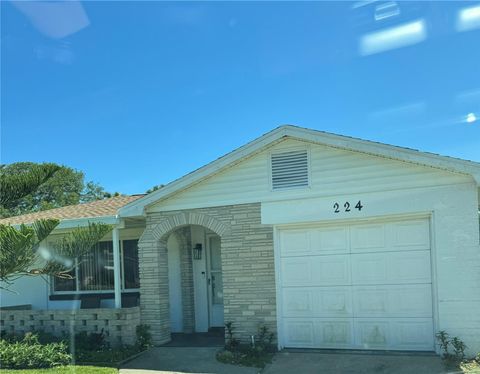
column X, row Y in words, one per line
column 333, row 171
column 26, row 291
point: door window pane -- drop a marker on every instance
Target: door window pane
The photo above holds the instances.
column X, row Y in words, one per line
column 217, row 287
column 215, row 254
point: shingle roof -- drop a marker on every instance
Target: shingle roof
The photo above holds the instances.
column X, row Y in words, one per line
column 98, row 208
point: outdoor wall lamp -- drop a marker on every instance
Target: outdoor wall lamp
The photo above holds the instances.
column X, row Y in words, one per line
column 197, row 251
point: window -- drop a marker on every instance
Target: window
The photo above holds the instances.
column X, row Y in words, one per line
column 289, row 169
column 95, row 269
column 131, row 274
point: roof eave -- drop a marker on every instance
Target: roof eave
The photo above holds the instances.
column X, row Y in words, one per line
column 67, row 224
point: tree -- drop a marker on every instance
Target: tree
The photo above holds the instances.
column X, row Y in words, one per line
column 154, row 188
column 21, row 253
column 65, row 186
column 93, row 191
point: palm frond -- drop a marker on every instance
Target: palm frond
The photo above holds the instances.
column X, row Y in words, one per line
column 16, row 252
column 72, row 246
column 42, row 228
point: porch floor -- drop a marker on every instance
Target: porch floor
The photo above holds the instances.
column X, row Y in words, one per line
column 213, row 338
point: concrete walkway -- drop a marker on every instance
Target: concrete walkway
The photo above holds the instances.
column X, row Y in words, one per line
column 354, row 363
column 182, row 360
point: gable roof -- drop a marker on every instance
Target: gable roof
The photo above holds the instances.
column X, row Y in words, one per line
column 94, row 209
column 451, row 164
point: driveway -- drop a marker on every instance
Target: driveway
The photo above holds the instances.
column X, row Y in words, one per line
column 202, row 360
column 287, row 362
column 182, row 360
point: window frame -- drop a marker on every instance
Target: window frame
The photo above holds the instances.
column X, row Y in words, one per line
column 77, row 291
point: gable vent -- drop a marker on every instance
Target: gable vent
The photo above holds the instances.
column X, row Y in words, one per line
column 289, row 169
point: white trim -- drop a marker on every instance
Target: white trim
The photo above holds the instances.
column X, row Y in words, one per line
column 136, row 208
column 116, row 268
column 433, row 264
column 86, row 292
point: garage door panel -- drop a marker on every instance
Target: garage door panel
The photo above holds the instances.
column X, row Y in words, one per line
column 316, row 271
column 330, row 240
column 333, row 333
column 410, row 235
column 414, row 334
column 411, row 267
column 296, row 271
column 299, row 333
column 295, row 242
column 391, row 236
column 368, row 238
column 317, row 302
column 391, row 268
column 392, row 301
column 297, row 302
column 372, row 333
column 397, row 334
column 319, row 332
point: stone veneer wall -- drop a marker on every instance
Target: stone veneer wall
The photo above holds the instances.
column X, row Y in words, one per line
column 247, row 264
column 119, row 325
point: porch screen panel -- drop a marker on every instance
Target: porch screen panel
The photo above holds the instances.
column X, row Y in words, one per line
column 61, row 284
column 130, row 264
column 96, row 268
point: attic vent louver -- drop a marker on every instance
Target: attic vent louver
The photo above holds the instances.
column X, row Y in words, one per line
column 289, row 170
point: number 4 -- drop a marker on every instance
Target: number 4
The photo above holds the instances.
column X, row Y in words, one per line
column 359, row 205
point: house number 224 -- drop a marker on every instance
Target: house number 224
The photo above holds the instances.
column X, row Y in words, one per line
column 346, row 206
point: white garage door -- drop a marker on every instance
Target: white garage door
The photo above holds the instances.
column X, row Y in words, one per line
column 358, row 286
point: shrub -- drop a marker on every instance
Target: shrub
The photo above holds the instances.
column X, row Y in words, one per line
column 257, row 354
column 144, row 337
column 231, row 342
column 29, row 353
column 90, row 342
column 458, row 347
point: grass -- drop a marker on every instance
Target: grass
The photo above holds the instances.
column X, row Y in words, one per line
column 64, row 370
column 109, row 356
column 470, row 367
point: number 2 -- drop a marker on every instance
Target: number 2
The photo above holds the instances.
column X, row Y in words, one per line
column 347, row 206
column 336, row 206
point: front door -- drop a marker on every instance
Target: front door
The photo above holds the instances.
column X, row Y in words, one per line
column 215, row 281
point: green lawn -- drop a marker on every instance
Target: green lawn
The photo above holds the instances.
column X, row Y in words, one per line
column 471, row 367
column 65, row 370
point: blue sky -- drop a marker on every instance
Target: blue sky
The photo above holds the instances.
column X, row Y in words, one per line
column 139, row 93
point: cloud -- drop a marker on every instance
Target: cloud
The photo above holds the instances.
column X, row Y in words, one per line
column 54, row 19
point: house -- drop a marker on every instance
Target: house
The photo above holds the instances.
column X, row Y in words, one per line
column 330, row 241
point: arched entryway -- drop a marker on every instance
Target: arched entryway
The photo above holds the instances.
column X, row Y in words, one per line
column 181, row 275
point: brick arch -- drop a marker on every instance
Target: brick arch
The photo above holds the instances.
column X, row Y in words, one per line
column 154, row 291
column 171, row 223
